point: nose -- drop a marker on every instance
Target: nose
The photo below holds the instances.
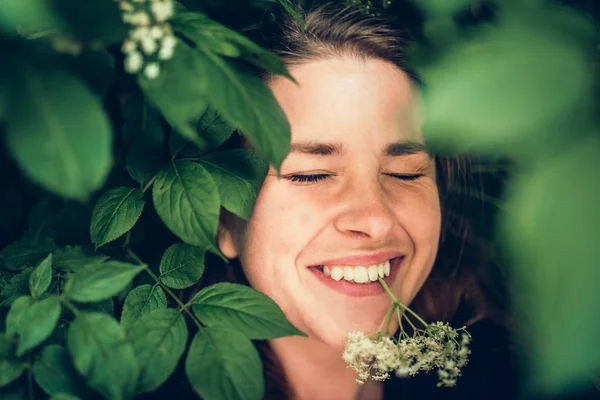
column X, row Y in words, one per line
column 365, row 212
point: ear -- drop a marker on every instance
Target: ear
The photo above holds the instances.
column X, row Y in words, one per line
column 225, row 240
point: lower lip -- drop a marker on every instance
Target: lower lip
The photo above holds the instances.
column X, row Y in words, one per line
column 359, row 289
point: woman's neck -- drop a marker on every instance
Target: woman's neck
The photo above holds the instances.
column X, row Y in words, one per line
column 315, row 371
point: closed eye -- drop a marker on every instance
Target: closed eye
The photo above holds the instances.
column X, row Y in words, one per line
column 308, row 178
column 406, row 177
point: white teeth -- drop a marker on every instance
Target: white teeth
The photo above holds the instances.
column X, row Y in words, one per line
column 373, row 274
column 348, row 273
column 337, row 273
column 358, row 273
column 361, row 275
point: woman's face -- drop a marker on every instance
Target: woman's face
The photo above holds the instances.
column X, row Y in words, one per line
column 356, row 190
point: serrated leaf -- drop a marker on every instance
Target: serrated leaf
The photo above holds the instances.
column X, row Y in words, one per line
column 181, row 266
column 141, row 300
column 97, row 282
column 217, row 38
column 239, row 174
column 26, row 252
column 115, row 213
column 179, row 93
column 211, row 126
column 50, row 148
column 187, row 200
column 73, row 258
column 248, row 104
column 17, row 287
column 37, row 323
column 239, row 307
column 41, row 277
column 13, row 318
column 11, row 367
column 102, row 355
column 159, row 339
column 224, row 364
column 55, row 373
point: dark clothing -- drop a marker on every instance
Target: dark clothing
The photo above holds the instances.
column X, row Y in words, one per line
column 491, row 374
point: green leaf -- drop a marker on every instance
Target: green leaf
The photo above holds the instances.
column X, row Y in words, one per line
column 181, row 266
column 239, row 174
column 73, row 258
column 495, row 95
column 179, row 93
column 288, row 7
column 13, row 318
column 159, row 339
column 140, row 301
column 50, row 148
column 146, row 154
column 102, row 355
column 26, row 252
column 239, row 307
column 224, row 364
column 37, row 323
column 552, row 233
column 248, row 104
column 187, row 200
column 96, row 282
column 17, row 287
column 41, row 277
column 115, row 213
column 211, row 127
column 28, row 16
column 214, row 37
column 55, row 373
column 10, row 367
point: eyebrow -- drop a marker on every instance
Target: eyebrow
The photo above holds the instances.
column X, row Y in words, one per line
column 336, row 149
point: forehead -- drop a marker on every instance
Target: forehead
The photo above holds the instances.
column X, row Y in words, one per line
column 350, row 101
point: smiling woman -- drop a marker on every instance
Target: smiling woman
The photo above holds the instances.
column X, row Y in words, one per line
column 359, row 198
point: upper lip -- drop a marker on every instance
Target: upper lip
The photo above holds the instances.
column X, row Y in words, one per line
column 362, row 259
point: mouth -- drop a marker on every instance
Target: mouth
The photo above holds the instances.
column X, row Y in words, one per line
column 357, row 280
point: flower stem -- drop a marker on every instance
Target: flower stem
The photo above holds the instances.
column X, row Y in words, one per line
column 184, row 307
column 389, row 291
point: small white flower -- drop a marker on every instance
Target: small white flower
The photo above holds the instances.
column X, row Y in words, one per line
column 166, row 49
column 152, row 70
column 139, row 18
column 156, row 32
column 149, row 45
column 133, row 62
column 140, row 33
column 163, row 10
column 126, row 6
column 128, row 46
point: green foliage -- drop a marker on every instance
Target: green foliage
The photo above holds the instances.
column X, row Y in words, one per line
column 82, row 143
column 223, row 363
column 159, row 339
column 238, row 174
column 96, row 282
column 186, row 199
column 115, row 213
column 50, row 148
column 41, row 277
column 240, row 308
column 95, row 342
column 181, row 266
column 55, row 373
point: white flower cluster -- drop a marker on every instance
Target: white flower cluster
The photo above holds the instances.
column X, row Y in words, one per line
column 151, row 39
column 437, row 346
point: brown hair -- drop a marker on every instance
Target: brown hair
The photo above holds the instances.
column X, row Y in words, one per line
column 460, row 274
